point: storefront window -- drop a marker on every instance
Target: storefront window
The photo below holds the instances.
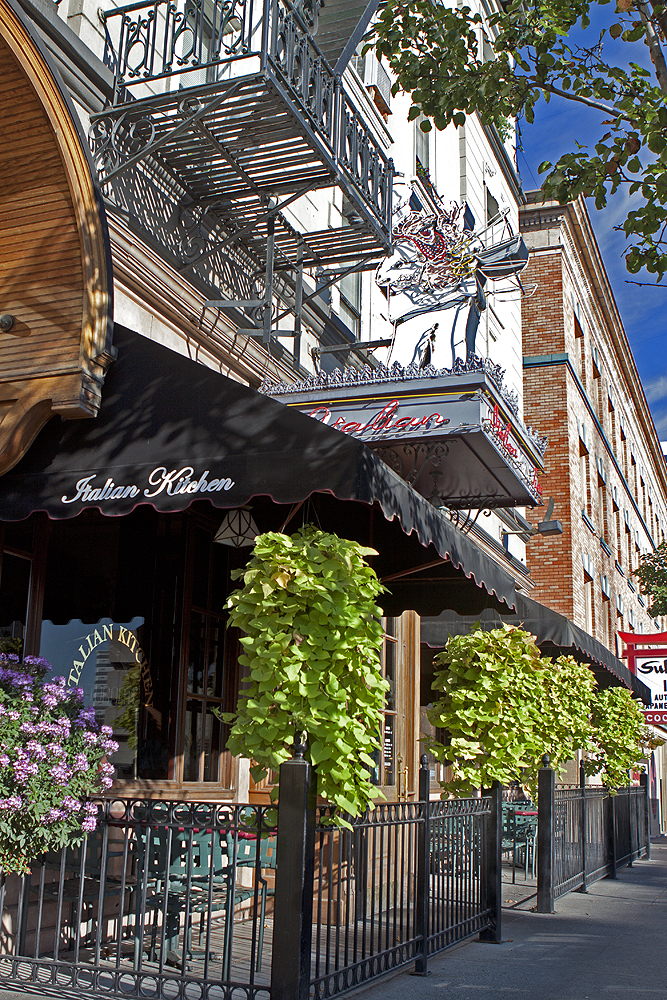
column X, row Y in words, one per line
column 14, row 591
column 384, row 772
column 210, row 663
column 108, row 663
column 109, row 626
column 16, row 543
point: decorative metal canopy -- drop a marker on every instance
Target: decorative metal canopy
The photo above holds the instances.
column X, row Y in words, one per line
column 453, row 434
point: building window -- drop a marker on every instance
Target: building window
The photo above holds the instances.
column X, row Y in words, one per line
column 208, row 660
column 108, row 625
column 583, row 478
column 602, row 508
column 350, row 301
column 605, row 623
column 422, row 147
column 588, row 605
column 492, row 207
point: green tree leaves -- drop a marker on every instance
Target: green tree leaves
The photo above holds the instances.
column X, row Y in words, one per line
column 504, row 706
column 652, row 576
column 436, row 55
column 312, row 648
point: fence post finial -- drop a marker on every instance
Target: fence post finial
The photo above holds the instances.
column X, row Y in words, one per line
column 300, row 744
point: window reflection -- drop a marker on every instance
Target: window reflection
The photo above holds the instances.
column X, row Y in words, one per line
column 107, row 661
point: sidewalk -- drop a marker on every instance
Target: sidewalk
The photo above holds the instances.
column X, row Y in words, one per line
column 609, row 943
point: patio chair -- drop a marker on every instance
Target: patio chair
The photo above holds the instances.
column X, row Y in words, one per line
column 177, row 872
column 246, row 857
column 197, row 883
column 525, row 839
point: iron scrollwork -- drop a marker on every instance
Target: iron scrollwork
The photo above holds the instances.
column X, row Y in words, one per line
column 167, row 37
column 114, row 140
column 303, row 68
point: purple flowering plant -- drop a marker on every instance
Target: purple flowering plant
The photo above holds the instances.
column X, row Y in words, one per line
column 52, row 760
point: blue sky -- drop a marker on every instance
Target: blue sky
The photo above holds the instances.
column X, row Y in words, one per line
column 558, row 125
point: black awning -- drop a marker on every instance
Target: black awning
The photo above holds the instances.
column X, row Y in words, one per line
column 171, row 431
column 554, row 633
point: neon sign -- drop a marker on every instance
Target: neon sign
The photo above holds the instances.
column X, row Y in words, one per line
column 382, row 423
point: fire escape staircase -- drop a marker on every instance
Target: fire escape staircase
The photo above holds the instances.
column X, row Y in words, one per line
column 225, row 113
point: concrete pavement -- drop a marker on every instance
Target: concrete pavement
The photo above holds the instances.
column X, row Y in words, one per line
column 609, row 944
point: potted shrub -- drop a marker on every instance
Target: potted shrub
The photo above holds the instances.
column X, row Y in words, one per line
column 52, row 760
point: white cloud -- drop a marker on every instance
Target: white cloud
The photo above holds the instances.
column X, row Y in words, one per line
column 656, row 389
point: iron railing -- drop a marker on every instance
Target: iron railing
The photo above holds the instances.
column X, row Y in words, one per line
column 166, row 49
column 407, row 881
column 580, row 855
column 170, row 899
column 630, row 825
column 159, row 39
column 163, row 893
column 586, row 833
column 458, row 905
column 364, row 908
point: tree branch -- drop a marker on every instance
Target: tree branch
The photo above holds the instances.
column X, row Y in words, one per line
column 645, row 284
column 660, row 18
column 653, row 42
column 581, row 100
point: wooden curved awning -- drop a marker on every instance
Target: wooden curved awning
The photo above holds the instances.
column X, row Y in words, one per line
column 55, row 266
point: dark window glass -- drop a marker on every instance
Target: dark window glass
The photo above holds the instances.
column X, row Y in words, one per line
column 110, row 627
column 193, row 740
column 19, row 534
column 14, row 591
column 201, row 568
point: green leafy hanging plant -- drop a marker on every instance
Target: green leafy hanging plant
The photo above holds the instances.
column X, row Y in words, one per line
column 312, row 645
column 622, row 737
column 505, row 706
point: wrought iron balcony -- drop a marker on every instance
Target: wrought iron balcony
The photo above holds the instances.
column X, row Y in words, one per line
column 224, row 113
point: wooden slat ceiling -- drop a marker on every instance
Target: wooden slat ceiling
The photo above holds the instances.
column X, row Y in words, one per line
column 53, row 277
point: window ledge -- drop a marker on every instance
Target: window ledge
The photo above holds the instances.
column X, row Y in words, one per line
column 587, row 521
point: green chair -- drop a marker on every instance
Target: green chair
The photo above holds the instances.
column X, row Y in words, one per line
column 245, row 856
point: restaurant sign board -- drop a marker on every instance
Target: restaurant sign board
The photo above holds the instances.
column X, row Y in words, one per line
column 452, row 436
column 647, row 659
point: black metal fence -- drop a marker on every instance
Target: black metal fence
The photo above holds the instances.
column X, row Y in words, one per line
column 365, row 897
column 213, row 902
column 162, row 894
column 460, row 846
column 174, row 900
column 403, row 882
column 586, row 833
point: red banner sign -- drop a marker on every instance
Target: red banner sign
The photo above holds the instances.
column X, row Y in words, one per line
column 657, row 718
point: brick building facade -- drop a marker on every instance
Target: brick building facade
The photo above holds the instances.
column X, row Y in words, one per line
column 604, row 464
